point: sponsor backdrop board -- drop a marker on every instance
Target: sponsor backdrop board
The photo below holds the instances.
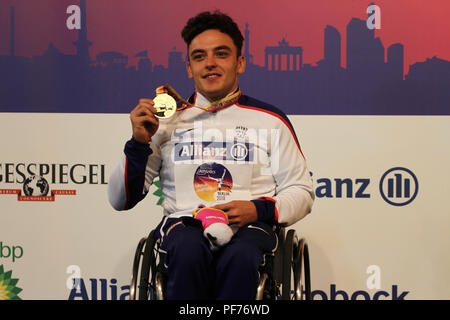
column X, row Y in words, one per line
column 367, row 97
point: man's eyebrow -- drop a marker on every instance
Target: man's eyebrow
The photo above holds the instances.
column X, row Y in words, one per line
column 197, row 51
column 222, row 48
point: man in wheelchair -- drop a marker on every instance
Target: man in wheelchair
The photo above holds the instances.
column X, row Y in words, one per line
column 221, row 151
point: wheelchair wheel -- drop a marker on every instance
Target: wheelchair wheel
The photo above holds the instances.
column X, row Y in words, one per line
column 289, row 256
column 271, row 273
column 151, row 281
column 302, row 278
column 136, row 269
column 296, row 271
column 261, row 290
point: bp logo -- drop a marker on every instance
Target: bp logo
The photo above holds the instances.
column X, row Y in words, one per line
column 8, row 289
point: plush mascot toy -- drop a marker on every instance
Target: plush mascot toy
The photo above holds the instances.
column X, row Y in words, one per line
column 215, row 226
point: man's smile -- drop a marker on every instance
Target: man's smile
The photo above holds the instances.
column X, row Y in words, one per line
column 211, row 76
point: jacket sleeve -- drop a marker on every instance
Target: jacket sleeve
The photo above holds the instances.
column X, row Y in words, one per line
column 294, row 194
column 130, row 180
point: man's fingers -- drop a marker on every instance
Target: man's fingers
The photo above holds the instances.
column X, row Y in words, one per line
column 146, row 120
column 144, row 108
column 237, row 221
column 146, row 101
column 233, row 216
column 224, row 206
column 233, row 220
column 143, row 120
column 144, row 117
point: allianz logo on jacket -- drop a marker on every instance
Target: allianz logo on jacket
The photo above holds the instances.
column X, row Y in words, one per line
column 212, row 150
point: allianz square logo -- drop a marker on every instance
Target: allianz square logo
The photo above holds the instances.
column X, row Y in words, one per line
column 32, row 181
column 397, row 186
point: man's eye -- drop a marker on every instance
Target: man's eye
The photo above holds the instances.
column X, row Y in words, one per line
column 198, row 56
column 222, row 54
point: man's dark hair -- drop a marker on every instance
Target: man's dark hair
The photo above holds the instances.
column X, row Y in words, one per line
column 212, row 20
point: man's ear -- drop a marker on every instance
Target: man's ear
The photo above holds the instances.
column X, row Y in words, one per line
column 189, row 71
column 242, row 63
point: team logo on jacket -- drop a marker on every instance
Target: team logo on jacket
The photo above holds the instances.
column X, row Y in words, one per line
column 213, row 182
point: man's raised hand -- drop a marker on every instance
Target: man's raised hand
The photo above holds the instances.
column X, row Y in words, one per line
column 143, row 121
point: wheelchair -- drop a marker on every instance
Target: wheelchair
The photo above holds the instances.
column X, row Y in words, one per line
column 285, row 274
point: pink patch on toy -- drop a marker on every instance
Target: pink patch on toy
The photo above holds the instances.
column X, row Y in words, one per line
column 209, row 216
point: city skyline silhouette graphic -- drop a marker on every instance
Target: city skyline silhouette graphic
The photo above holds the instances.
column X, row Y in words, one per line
column 369, row 84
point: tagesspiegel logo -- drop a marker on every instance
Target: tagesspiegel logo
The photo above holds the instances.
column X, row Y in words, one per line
column 36, row 188
column 35, row 181
column 8, row 289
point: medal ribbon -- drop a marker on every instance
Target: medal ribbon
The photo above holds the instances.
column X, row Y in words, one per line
column 213, row 106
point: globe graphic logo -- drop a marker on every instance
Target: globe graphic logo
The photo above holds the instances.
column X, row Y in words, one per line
column 35, row 186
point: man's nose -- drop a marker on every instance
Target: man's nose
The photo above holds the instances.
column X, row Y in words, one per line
column 210, row 61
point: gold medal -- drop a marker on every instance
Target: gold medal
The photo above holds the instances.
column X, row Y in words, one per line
column 165, row 105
